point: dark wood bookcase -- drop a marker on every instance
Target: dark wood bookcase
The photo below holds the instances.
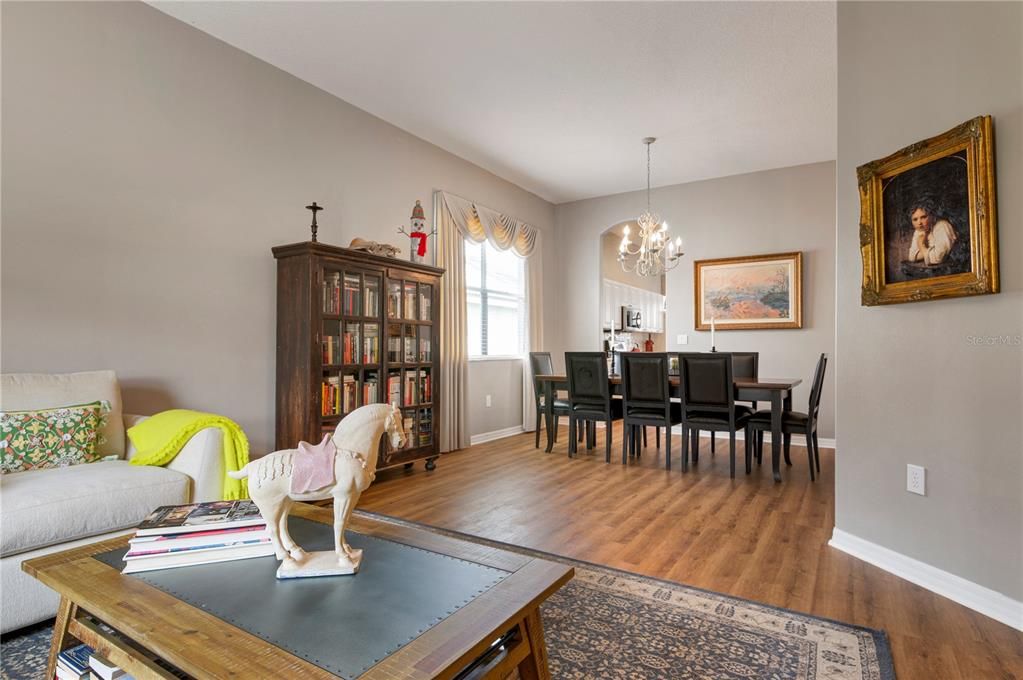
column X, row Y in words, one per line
column 355, row 329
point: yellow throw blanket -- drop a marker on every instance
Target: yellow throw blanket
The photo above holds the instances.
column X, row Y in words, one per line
column 160, row 438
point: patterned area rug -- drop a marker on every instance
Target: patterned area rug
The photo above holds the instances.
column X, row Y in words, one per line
column 607, row 624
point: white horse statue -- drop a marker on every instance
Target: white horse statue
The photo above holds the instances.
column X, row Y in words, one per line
column 357, row 440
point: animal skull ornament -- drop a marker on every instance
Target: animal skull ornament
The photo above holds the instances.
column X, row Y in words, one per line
column 355, row 445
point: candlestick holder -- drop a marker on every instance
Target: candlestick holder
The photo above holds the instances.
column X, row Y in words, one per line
column 713, row 348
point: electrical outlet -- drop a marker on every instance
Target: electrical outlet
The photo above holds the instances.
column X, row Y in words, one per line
column 488, row 401
column 916, row 479
column 683, row 339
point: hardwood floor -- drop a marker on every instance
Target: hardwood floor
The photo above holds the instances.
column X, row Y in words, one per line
column 746, row 537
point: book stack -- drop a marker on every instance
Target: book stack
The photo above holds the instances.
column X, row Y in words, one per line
column 332, row 293
column 331, row 349
column 410, row 388
column 350, row 344
column 73, row 663
column 369, row 389
column 394, row 348
column 352, row 294
column 425, row 391
column 350, row 398
column 330, row 396
column 101, row 669
column 199, row 533
column 369, row 344
column 393, row 387
column 425, row 427
column 370, row 300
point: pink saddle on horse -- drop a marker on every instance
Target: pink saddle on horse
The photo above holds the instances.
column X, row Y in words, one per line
column 313, row 466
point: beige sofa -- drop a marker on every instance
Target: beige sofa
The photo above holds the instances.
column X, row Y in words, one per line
column 44, row 511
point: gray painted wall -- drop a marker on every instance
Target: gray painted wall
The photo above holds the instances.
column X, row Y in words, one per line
column 502, row 380
column 148, row 169
column 912, row 386
column 762, row 212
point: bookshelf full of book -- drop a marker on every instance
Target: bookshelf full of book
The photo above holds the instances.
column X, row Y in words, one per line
column 356, row 329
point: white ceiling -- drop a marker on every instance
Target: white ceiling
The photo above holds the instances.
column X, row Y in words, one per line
column 556, row 97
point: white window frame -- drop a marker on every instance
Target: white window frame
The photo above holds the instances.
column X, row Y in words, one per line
column 484, row 295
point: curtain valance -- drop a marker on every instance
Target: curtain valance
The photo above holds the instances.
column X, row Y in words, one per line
column 479, row 223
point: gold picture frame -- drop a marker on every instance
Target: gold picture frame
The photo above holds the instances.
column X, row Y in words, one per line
column 928, row 224
column 754, row 292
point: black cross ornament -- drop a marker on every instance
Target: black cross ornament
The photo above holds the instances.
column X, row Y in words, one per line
column 314, row 208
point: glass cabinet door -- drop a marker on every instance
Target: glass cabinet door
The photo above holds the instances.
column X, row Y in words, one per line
column 425, row 302
column 352, row 295
column 410, row 300
column 351, row 343
column 393, row 299
column 371, row 296
column 371, row 343
column 425, row 350
column 331, row 293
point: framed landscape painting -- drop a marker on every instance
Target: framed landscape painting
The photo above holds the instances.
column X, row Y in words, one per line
column 753, row 292
column 927, row 219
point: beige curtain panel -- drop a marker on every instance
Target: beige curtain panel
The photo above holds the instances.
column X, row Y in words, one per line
column 459, row 219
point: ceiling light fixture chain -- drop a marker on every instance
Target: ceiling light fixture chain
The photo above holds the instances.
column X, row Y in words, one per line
column 656, row 253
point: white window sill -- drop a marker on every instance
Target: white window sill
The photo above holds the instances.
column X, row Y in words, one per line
column 495, row 358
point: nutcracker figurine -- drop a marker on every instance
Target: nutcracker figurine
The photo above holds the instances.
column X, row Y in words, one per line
column 417, row 235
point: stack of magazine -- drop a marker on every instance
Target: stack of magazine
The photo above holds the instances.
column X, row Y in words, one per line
column 200, row 533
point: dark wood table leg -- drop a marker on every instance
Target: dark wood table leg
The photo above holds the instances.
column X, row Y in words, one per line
column 776, row 406
column 548, row 413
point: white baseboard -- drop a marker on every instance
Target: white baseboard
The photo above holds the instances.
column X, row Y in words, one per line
column 496, row 434
column 967, row 593
column 797, row 439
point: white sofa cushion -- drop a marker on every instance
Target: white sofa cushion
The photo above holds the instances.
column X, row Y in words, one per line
column 45, row 507
column 32, row 391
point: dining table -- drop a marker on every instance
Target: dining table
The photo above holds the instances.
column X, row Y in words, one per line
column 777, row 391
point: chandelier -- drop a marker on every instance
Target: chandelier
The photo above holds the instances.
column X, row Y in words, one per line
column 656, row 252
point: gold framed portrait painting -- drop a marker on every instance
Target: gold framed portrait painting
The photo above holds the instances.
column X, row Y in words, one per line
column 928, row 227
column 753, row 292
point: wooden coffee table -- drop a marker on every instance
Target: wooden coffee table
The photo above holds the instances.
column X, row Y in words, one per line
column 151, row 622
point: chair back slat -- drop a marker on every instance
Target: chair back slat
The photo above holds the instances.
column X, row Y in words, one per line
column 818, row 387
column 745, row 365
column 587, row 379
column 645, row 381
column 540, row 363
column 707, row 382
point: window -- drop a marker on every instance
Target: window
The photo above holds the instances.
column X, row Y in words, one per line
column 495, row 284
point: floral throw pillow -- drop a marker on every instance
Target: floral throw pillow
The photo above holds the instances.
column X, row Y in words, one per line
column 54, row 437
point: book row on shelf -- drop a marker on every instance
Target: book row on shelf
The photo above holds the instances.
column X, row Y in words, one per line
column 395, row 355
column 336, row 298
column 342, row 394
column 395, row 298
column 346, row 348
column 425, row 432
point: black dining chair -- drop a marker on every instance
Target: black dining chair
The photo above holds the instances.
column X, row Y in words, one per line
column 794, row 422
column 745, row 365
column 647, row 400
column 540, row 363
column 589, row 397
column 708, row 403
